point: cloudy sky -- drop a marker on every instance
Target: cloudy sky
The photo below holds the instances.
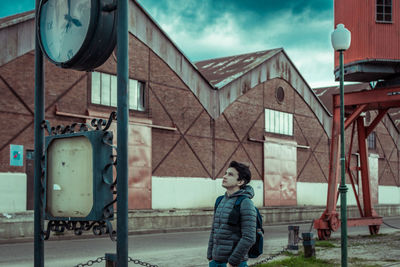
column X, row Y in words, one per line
column 205, row 29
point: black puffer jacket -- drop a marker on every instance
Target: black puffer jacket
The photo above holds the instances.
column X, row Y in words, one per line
column 232, row 243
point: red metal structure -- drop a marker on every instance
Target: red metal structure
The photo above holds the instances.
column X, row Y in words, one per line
column 374, row 55
column 375, row 38
column 355, row 103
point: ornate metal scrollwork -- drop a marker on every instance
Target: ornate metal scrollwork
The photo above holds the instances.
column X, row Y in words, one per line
column 103, row 226
column 102, row 124
column 95, row 124
column 98, row 228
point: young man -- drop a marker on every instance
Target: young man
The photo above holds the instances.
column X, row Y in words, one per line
column 229, row 244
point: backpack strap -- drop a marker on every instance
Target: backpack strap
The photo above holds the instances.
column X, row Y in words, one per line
column 217, row 201
column 238, row 201
column 234, row 216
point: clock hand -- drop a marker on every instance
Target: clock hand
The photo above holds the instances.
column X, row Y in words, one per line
column 69, row 19
column 69, row 8
column 68, row 16
column 76, row 22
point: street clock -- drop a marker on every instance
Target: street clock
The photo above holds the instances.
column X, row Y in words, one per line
column 77, row 34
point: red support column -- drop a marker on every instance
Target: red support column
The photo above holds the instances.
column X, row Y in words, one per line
column 329, row 220
column 364, row 167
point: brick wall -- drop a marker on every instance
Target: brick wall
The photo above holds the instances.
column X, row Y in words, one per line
column 191, row 150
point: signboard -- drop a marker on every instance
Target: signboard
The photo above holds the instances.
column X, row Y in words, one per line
column 16, row 155
column 78, row 177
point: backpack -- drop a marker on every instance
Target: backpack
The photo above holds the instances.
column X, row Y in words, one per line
column 234, row 219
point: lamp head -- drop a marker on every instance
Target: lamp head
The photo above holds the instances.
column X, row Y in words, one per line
column 341, row 38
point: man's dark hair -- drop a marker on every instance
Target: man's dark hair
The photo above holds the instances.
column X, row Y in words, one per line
column 243, row 170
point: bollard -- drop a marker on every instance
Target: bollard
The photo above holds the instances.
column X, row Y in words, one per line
column 293, row 246
column 111, row 260
column 309, row 245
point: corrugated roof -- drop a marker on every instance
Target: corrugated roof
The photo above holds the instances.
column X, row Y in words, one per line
column 15, row 19
column 325, row 95
column 221, row 71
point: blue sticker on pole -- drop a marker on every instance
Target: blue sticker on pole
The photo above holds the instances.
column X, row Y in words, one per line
column 16, row 155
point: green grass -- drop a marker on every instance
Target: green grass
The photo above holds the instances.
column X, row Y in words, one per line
column 325, row 244
column 298, row 261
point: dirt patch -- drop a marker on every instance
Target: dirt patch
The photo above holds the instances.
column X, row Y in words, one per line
column 364, row 250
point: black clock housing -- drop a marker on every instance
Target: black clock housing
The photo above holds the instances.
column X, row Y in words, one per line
column 100, row 39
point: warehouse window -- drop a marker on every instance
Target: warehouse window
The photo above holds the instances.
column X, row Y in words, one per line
column 371, row 140
column 104, row 91
column 278, row 122
column 383, row 10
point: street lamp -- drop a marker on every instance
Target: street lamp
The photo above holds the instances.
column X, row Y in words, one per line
column 341, row 38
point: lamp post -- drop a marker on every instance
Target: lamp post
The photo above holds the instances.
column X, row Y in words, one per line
column 341, row 38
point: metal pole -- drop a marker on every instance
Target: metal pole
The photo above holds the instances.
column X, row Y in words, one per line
column 122, row 133
column 39, row 143
column 342, row 187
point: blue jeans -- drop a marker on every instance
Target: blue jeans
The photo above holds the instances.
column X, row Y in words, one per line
column 214, row 263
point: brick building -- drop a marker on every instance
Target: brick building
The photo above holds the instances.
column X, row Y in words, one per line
column 187, row 121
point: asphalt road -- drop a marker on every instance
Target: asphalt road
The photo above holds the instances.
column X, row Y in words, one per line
column 168, row 249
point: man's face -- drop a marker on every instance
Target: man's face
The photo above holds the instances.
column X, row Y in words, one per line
column 230, row 179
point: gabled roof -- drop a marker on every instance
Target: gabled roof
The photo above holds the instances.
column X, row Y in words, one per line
column 17, row 18
column 17, row 36
column 217, row 92
column 234, row 76
column 221, row 71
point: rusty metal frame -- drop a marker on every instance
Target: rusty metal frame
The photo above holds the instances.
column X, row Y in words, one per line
column 355, row 103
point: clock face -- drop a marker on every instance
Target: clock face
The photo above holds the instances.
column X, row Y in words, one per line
column 64, row 25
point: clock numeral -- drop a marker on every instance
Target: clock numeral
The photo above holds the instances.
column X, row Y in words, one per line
column 70, row 54
column 50, row 25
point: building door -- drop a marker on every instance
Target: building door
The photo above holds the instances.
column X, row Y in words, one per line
column 30, row 176
column 140, row 171
column 280, row 172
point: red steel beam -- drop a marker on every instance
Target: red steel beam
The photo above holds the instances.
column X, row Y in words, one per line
column 370, row 96
column 349, row 171
column 378, row 118
column 354, row 115
column 362, row 146
column 364, row 221
column 334, row 167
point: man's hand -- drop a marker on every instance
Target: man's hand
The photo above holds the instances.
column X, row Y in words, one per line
column 230, row 265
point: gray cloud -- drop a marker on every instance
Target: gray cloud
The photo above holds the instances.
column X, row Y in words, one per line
column 206, row 29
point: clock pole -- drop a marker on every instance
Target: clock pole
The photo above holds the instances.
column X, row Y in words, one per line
column 39, row 144
column 122, row 132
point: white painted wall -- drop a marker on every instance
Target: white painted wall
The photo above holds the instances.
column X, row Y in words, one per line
column 389, row 194
column 315, row 194
column 373, row 165
column 12, row 192
column 191, row 193
column 311, row 194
